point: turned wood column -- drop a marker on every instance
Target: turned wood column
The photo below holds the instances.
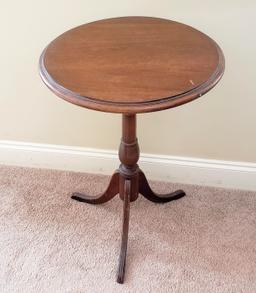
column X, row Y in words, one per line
column 189, row 64
column 129, row 155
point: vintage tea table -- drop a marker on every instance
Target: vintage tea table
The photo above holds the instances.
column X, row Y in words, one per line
column 131, row 65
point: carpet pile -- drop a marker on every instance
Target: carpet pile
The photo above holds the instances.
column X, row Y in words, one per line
column 204, row 242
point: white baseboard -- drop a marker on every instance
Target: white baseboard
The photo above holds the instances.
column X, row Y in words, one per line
column 237, row 175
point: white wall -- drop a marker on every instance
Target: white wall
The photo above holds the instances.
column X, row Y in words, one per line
column 220, row 125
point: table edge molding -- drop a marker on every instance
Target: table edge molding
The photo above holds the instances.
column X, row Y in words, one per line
column 132, row 108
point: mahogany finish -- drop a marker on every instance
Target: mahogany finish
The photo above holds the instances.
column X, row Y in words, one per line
column 110, row 192
column 128, row 181
column 126, row 215
column 131, row 65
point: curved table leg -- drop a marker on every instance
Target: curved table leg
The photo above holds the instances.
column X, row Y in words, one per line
column 126, row 214
column 111, row 191
column 148, row 193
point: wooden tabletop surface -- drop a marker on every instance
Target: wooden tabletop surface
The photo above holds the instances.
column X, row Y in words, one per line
column 131, row 64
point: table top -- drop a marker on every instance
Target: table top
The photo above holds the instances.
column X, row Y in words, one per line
column 131, row 64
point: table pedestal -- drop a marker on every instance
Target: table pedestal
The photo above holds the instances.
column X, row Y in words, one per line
column 128, row 181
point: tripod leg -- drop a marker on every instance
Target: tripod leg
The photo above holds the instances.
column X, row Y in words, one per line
column 126, row 214
column 148, row 193
column 111, row 191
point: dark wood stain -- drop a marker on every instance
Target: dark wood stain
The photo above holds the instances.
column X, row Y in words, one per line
column 131, row 64
column 128, row 181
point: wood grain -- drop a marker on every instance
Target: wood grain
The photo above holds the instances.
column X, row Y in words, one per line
column 125, row 231
column 131, row 64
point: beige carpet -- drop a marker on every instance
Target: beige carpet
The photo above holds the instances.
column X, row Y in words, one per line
column 204, row 242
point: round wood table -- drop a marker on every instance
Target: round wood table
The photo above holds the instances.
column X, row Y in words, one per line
column 131, row 65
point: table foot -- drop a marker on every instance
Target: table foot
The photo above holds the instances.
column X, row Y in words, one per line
column 149, row 194
column 126, row 214
column 111, row 191
column 128, row 181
